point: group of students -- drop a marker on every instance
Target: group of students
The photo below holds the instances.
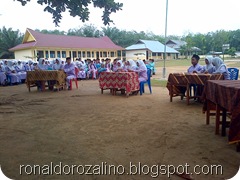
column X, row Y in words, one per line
column 214, row 65
column 95, row 67
column 14, row 71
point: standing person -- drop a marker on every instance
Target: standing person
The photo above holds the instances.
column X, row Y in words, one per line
column 69, row 69
column 208, row 68
column 152, row 66
column 195, row 68
column 220, row 67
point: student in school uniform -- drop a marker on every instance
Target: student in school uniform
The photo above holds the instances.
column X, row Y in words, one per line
column 69, row 69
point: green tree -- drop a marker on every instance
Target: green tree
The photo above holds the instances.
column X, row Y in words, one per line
column 231, row 51
column 8, row 39
column 86, row 31
column 78, row 8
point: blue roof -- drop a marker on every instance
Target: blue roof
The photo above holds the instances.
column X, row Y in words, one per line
column 154, row 46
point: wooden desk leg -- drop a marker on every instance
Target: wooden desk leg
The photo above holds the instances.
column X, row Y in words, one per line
column 102, row 90
column 188, row 91
column 238, row 147
column 217, row 119
column 208, row 112
column 224, row 121
column 171, row 93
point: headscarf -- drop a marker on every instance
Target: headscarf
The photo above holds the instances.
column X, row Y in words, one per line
column 121, row 64
column 218, row 63
column 142, row 66
column 41, row 65
column 132, row 64
column 209, row 65
column 58, row 65
column 10, row 65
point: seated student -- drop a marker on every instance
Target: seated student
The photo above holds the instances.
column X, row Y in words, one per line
column 120, row 66
column 208, row 68
column 220, row 67
column 91, row 69
column 114, row 65
column 12, row 73
column 58, row 64
column 20, row 70
column 101, row 69
column 108, row 64
column 195, row 68
column 3, row 77
column 69, row 69
column 142, row 71
column 131, row 65
column 41, row 65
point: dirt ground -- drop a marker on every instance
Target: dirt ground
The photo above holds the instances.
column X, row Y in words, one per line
column 85, row 127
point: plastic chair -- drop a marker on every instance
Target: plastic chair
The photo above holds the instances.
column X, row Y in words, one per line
column 75, row 79
column 148, row 82
column 233, row 73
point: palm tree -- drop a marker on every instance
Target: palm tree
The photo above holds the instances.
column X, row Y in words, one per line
column 8, row 39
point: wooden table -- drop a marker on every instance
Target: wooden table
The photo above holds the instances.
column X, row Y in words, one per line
column 127, row 81
column 226, row 95
column 178, row 83
column 34, row 76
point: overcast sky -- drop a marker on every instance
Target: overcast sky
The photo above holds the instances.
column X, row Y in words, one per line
column 195, row 16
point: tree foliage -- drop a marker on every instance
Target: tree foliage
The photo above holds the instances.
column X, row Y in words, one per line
column 78, row 8
column 8, row 39
column 211, row 41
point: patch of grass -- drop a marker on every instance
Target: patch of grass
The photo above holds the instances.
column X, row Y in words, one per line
column 233, row 64
column 158, row 83
column 178, row 62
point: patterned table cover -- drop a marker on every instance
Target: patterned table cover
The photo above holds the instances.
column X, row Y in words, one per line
column 226, row 93
column 33, row 76
column 178, row 80
column 121, row 80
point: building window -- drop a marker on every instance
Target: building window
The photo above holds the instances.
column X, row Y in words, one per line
column 159, row 54
column 79, row 53
column 40, row 54
column 169, row 54
column 52, row 54
column 88, row 54
column 46, row 54
column 93, row 54
column 154, row 54
column 112, row 54
column 104, row 54
column 83, row 54
column 74, row 54
column 119, row 53
column 58, row 54
column 101, row 54
column 63, row 54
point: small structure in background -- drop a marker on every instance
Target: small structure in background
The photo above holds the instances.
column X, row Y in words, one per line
column 149, row 49
column 183, row 48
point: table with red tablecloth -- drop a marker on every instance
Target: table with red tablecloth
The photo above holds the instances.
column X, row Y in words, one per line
column 127, row 81
column 226, row 95
column 178, row 83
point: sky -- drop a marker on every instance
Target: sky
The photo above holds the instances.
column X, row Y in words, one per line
column 184, row 16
